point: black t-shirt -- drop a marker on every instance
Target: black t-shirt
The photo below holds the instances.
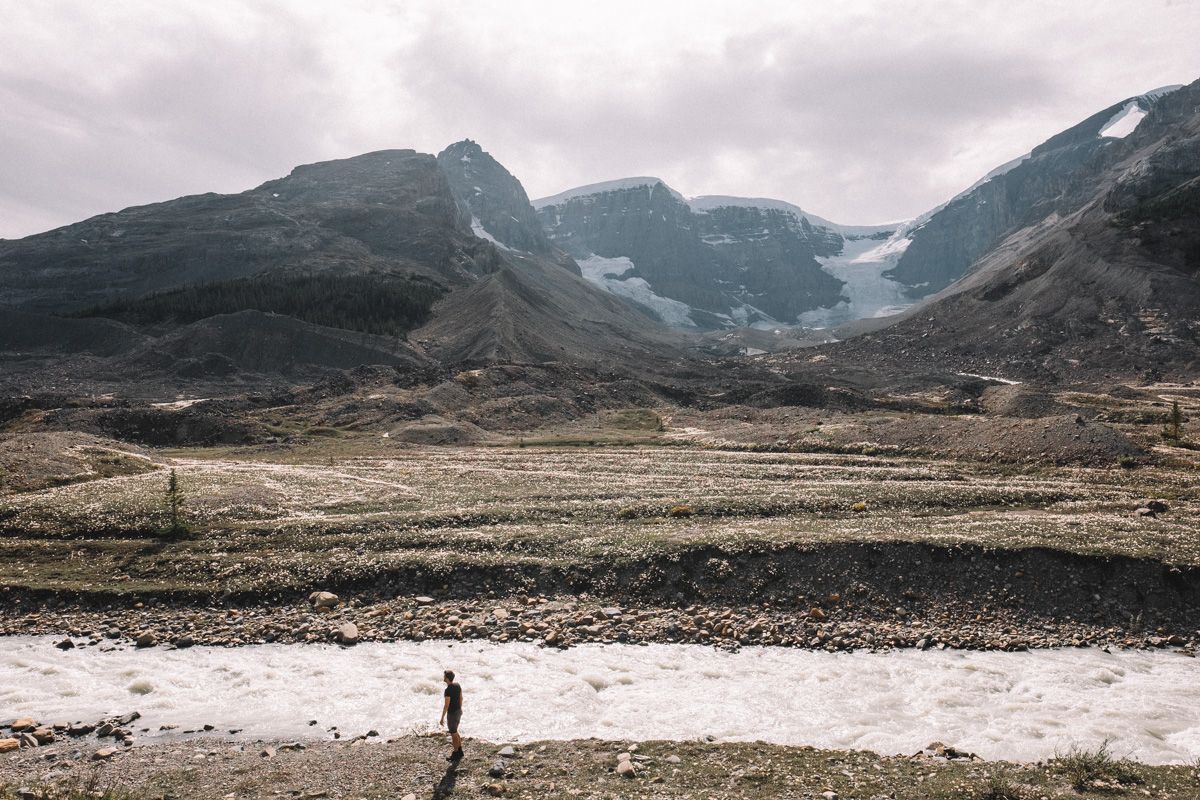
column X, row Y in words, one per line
column 454, row 692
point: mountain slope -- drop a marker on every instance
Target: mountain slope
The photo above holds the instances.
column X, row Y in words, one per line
column 945, row 242
column 1102, row 279
column 395, row 213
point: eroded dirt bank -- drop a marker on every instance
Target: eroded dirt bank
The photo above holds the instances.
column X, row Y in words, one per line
column 835, row 596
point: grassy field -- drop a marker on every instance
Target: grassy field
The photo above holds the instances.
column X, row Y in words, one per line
column 271, row 517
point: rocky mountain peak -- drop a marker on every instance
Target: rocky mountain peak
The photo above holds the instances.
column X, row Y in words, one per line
column 493, row 203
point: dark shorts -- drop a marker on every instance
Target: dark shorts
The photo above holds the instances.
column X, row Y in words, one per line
column 452, row 719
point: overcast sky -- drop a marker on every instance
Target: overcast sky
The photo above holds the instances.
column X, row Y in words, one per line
column 856, row 111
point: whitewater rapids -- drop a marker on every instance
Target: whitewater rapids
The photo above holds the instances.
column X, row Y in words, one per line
column 1013, row 706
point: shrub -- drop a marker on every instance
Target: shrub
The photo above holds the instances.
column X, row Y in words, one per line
column 858, row 508
column 1082, row 767
column 1127, row 462
column 629, row 512
column 1000, row 787
column 682, row 511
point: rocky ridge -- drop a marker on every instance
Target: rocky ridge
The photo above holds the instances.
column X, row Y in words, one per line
column 734, row 263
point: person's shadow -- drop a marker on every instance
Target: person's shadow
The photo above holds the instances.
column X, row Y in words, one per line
column 445, row 786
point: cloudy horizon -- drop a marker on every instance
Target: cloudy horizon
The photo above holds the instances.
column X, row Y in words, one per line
column 858, row 112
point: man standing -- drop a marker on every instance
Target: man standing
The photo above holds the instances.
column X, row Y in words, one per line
column 452, row 713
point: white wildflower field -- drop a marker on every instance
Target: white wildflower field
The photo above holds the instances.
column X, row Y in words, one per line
column 267, row 516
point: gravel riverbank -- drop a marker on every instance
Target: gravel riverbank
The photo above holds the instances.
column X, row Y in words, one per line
column 829, row 623
column 412, row 767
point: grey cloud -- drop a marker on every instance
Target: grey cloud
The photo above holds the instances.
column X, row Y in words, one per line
column 858, row 111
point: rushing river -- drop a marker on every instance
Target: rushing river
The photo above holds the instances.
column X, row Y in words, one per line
column 1016, row 706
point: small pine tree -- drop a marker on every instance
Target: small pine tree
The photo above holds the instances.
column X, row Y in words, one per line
column 1176, row 419
column 174, row 503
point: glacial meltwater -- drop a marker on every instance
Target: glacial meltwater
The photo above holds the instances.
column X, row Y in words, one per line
column 1015, row 706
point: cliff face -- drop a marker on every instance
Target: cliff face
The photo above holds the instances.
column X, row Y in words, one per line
column 945, row 246
column 737, row 262
column 771, row 256
column 493, row 203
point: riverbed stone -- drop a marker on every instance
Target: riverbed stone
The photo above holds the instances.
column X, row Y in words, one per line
column 506, row 751
column 323, row 599
column 147, row 639
column 347, row 633
column 65, row 644
column 104, row 753
column 498, row 769
column 626, row 768
column 9, row 744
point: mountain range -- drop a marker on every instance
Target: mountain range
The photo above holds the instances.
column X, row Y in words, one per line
column 1080, row 256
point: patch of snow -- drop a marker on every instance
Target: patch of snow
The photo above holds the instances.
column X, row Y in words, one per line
column 596, row 270
column 989, row 378
column 1124, row 121
column 465, row 159
column 477, row 229
column 606, row 186
column 1155, row 94
column 861, row 265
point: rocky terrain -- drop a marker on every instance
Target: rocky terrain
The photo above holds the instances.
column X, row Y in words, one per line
column 410, row 767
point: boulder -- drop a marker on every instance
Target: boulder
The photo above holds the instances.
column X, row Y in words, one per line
column 147, row 639
column 8, row 744
column 43, row 735
column 626, row 768
column 323, row 599
column 498, row 770
column 104, row 753
column 347, row 633
column 65, row 644
column 506, row 751
column 496, row 789
column 22, row 724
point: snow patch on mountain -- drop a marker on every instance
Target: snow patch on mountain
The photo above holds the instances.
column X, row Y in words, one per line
column 1124, row 121
column 600, row 188
column 606, row 274
column 861, row 265
column 478, row 229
